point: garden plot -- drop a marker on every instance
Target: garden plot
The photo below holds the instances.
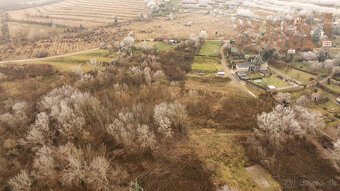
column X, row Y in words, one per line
column 211, row 48
column 205, row 64
column 272, row 80
column 157, row 44
column 300, row 76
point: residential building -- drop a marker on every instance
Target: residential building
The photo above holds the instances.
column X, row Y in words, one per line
column 244, row 67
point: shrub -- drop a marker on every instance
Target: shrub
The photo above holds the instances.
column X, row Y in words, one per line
column 16, row 115
column 41, row 54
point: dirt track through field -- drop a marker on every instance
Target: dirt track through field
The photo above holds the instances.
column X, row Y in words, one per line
column 46, row 58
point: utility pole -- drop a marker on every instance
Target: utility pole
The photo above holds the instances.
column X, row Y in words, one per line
column 134, row 186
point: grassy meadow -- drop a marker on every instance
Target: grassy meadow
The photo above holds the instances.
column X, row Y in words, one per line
column 211, row 48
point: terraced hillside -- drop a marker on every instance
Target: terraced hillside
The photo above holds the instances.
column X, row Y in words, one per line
column 84, row 12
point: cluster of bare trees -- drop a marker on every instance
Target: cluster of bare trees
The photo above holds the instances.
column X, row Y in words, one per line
column 74, row 134
column 290, row 128
column 320, row 60
column 285, row 123
column 293, row 6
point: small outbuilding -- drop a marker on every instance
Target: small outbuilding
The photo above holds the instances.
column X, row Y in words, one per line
column 264, row 73
column 242, row 76
column 221, row 74
column 338, row 100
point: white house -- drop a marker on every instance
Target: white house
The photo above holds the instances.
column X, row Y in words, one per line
column 327, row 43
column 291, row 51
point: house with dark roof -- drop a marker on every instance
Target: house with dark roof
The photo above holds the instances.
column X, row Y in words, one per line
column 244, row 67
column 242, row 76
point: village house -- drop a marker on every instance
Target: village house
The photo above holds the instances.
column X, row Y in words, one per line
column 291, row 51
column 327, row 42
column 236, row 53
column 250, row 56
column 245, row 67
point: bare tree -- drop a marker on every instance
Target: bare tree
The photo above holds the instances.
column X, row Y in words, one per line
column 21, row 182
column 98, row 173
column 74, row 173
column 167, row 115
column 128, row 43
column 146, row 138
column 308, row 56
column 329, row 64
column 284, row 123
column 323, row 55
column 283, row 98
column 303, row 101
column 203, row 35
column 44, row 165
column 337, row 60
column 16, row 115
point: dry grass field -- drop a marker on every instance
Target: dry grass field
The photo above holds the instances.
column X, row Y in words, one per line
column 160, row 27
column 85, row 12
column 69, row 42
column 31, row 31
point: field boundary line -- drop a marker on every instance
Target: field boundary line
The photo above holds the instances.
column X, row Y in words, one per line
column 46, row 58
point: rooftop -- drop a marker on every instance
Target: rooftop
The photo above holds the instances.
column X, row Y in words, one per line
column 241, row 74
column 245, row 65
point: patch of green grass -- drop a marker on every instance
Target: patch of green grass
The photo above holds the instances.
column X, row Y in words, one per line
column 69, row 62
column 99, row 55
column 328, row 108
column 211, row 48
column 299, row 75
column 161, row 46
column 334, row 52
column 272, row 80
column 254, row 75
column 206, row 64
column 305, row 67
column 333, row 87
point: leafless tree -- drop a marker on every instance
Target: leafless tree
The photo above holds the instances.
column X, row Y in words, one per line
column 74, row 173
column 21, row 182
column 97, row 174
column 283, row 98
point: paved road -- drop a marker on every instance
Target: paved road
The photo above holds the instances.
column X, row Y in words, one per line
column 231, row 74
column 46, row 58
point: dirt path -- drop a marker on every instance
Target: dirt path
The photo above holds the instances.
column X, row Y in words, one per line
column 330, row 76
column 258, row 175
column 46, row 58
column 231, row 74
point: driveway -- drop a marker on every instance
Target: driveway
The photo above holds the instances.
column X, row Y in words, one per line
column 232, row 75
